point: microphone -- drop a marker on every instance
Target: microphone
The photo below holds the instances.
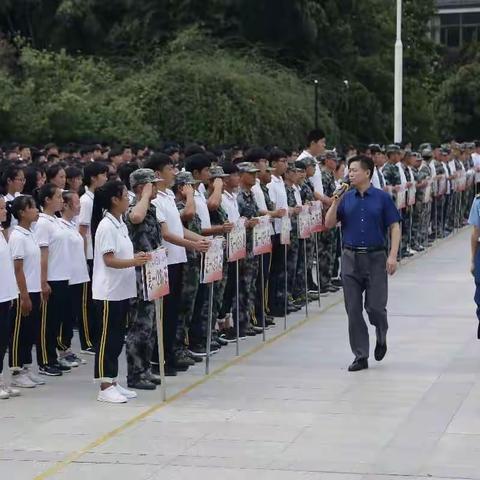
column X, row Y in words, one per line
column 342, row 188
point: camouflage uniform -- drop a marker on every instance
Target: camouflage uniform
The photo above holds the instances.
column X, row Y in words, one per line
column 190, row 281
column 306, row 192
column 266, row 259
column 326, row 244
column 437, row 229
column 142, row 331
column 248, row 267
column 392, row 179
column 292, row 253
column 421, row 209
column 407, row 233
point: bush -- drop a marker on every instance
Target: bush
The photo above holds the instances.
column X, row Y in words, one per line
column 195, row 91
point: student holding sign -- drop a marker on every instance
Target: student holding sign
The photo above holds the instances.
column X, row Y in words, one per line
column 145, row 234
column 247, row 207
column 113, row 284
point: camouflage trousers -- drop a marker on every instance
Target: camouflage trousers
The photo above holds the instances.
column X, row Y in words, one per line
column 299, row 285
column 198, row 329
column 276, row 278
column 326, row 256
column 190, row 284
column 407, row 214
column 437, row 216
column 141, row 338
column 247, row 289
column 420, row 225
column 292, row 259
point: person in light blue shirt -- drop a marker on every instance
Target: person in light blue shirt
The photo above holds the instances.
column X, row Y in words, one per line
column 474, row 219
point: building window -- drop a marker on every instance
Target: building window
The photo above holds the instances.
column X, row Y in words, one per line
column 456, row 29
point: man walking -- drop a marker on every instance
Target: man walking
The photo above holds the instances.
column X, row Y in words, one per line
column 366, row 213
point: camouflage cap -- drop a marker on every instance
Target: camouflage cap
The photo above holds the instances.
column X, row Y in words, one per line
column 308, row 161
column 427, row 152
column 392, row 148
column 217, row 172
column 182, row 178
column 248, row 167
column 143, row 176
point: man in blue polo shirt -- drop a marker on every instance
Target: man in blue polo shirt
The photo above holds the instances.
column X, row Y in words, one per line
column 366, row 215
column 474, row 219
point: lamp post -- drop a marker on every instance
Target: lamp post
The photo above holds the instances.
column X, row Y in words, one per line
column 315, row 83
column 398, row 113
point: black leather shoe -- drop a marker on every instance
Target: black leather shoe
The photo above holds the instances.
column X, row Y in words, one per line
column 142, row 384
column 358, row 365
column 380, row 351
column 155, row 379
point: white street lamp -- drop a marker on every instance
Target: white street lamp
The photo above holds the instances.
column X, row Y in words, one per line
column 398, row 109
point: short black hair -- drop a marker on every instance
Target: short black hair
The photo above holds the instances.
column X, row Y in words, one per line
column 230, row 168
column 124, row 172
column 157, row 162
column 193, row 149
column 315, row 135
column 275, row 155
column 93, row 169
column 73, row 172
column 198, row 162
column 255, row 154
column 365, row 162
column 53, row 170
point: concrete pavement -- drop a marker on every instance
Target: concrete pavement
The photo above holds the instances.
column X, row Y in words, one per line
column 289, row 410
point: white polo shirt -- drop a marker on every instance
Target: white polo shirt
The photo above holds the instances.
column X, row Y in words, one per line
column 298, row 196
column 278, row 195
column 8, row 283
column 113, row 284
column 201, row 209
column 77, row 260
column 230, row 205
column 49, row 232
column 85, row 218
column 259, row 196
column 24, row 246
column 167, row 211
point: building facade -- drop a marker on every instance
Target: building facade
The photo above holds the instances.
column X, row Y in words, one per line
column 457, row 23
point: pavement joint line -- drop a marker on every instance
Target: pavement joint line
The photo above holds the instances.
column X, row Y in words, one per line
column 74, row 456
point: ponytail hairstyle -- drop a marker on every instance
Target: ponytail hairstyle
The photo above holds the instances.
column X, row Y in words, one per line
column 20, row 204
column 102, row 202
column 46, row 191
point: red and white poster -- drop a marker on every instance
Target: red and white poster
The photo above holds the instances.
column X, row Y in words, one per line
column 304, row 223
column 237, row 241
column 212, row 262
column 262, row 240
column 400, row 198
column 155, row 275
column 316, row 217
column 286, row 226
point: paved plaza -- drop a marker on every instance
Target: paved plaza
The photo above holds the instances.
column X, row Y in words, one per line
column 285, row 410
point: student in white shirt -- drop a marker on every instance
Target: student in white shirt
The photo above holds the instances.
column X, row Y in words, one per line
column 113, row 285
column 78, row 278
column 52, row 239
column 176, row 239
column 278, row 195
column 26, row 323
column 94, row 176
column 8, row 292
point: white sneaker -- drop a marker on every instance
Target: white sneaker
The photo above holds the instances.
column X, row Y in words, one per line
column 22, row 380
column 13, row 392
column 66, row 363
column 125, row 392
column 37, row 380
column 111, row 395
column 4, row 395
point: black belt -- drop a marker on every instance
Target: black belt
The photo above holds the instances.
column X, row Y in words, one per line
column 364, row 249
